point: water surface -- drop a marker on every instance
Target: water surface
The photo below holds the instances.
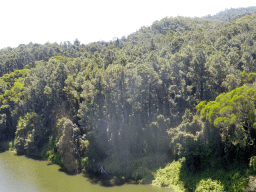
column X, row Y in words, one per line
column 19, row 173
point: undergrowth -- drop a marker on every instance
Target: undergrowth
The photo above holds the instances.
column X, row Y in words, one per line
column 177, row 175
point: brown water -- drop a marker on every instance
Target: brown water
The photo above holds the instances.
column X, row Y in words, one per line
column 21, row 174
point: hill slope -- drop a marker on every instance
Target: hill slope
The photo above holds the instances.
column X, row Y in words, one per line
column 231, row 14
column 112, row 103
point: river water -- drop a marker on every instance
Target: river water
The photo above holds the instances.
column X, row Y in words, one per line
column 22, row 174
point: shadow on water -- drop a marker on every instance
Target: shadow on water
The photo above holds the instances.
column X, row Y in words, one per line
column 34, row 157
column 4, row 146
column 107, row 180
column 95, row 178
column 63, row 170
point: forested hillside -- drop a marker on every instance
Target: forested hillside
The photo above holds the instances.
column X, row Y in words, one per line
column 111, row 104
column 231, row 14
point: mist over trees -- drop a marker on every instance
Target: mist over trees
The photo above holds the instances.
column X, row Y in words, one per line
column 231, row 14
column 174, row 89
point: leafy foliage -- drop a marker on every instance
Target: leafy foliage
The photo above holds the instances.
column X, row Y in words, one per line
column 176, row 175
column 29, row 135
column 182, row 87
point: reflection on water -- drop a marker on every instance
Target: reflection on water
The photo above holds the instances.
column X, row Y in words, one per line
column 18, row 173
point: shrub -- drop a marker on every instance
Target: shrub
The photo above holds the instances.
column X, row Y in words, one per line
column 170, row 176
column 209, row 185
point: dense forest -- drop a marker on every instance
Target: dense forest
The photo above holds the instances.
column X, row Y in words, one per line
column 232, row 14
column 180, row 90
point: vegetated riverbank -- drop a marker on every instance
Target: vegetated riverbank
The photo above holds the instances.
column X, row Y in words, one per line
column 232, row 177
column 178, row 176
column 103, row 179
column 19, row 173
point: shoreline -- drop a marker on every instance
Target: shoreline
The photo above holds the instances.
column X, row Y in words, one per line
column 103, row 180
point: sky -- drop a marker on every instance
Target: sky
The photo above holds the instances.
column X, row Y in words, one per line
column 41, row 21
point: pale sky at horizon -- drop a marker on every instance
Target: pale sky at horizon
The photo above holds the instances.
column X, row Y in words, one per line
column 25, row 21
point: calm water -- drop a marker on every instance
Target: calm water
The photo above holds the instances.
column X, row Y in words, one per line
column 18, row 173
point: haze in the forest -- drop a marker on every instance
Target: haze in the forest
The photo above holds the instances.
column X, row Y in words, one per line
column 172, row 104
column 28, row 21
